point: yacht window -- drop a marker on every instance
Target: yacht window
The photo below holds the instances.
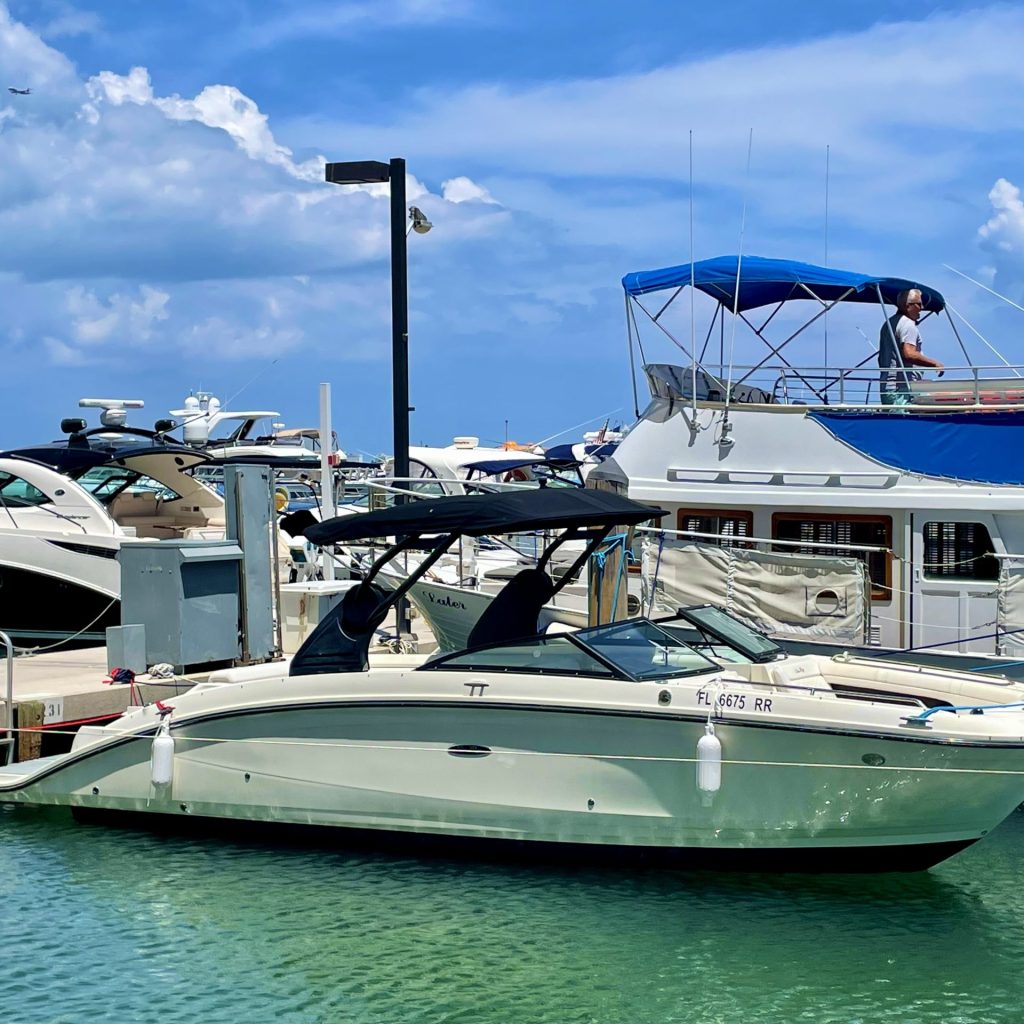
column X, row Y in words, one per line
column 422, row 480
column 814, row 530
column 959, row 551
column 19, row 493
column 556, row 655
column 725, row 523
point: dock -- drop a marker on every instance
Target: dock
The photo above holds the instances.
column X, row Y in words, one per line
column 55, row 692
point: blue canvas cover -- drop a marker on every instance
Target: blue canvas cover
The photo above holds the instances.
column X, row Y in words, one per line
column 764, row 282
column 491, row 467
column 982, row 447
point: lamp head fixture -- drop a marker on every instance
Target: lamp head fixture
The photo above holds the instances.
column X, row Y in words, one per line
column 418, row 221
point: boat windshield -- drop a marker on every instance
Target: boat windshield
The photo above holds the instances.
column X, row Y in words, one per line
column 637, row 649
column 716, row 624
column 105, row 483
column 643, row 650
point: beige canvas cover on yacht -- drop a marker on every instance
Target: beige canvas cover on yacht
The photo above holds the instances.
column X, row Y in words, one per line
column 1010, row 607
column 788, row 595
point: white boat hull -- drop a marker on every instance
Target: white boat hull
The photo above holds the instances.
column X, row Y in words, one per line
column 619, row 774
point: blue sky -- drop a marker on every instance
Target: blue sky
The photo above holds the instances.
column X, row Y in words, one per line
column 165, row 224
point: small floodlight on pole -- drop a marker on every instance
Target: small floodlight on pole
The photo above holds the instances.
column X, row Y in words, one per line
column 417, row 222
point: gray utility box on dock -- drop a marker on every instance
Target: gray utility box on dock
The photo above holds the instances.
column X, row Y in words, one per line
column 186, row 594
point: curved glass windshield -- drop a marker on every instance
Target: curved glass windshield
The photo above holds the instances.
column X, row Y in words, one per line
column 643, row 650
column 636, row 649
column 721, row 625
column 106, row 482
column 555, row 654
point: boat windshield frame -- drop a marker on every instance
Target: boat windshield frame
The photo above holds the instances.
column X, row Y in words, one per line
column 602, row 654
column 734, row 633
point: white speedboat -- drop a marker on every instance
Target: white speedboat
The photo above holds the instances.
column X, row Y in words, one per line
column 693, row 739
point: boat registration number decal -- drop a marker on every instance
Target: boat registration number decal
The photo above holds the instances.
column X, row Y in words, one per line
column 735, row 701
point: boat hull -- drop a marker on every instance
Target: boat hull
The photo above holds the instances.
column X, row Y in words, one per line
column 604, row 778
column 808, row 860
column 38, row 608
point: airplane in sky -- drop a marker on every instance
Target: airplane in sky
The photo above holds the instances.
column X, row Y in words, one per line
column 19, row 92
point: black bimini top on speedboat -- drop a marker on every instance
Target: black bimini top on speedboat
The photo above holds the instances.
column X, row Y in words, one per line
column 341, row 642
column 480, row 514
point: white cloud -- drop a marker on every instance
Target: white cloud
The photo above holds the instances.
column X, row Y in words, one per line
column 216, row 106
column 131, row 319
column 902, row 106
column 164, row 188
column 61, row 354
column 331, row 19
column 195, row 231
column 1004, row 230
column 70, row 23
column 463, row 190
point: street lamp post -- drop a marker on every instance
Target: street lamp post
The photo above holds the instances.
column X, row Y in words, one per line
column 362, row 172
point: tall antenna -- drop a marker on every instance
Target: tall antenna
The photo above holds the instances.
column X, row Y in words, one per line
column 736, row 293
column 693, row 335
column 825, row 318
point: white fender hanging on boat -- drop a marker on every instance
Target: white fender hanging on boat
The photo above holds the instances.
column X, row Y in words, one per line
column 709, row 763
column 161, row 760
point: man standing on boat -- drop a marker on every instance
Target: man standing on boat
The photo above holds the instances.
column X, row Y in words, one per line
column 899, row 347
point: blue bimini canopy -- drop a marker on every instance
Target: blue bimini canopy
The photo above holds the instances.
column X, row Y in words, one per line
column 764, row 282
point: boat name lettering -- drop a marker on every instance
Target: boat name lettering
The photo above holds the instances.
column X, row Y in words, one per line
column 446, row 601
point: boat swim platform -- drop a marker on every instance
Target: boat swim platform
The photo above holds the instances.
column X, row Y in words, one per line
column 55, row 692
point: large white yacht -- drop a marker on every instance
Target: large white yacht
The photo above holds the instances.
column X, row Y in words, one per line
column 914, row 514
column 693, row 739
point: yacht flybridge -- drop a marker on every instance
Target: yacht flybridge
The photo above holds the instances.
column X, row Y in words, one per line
column 692, row 738
column 765, row 452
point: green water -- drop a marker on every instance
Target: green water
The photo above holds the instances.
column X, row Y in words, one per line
column 111, row 925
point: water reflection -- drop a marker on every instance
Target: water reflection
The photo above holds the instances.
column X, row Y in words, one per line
column 222, row 930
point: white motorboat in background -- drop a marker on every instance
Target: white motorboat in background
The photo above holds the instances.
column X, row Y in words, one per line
column 693, row 739
column 202, row 420
column 67, row 507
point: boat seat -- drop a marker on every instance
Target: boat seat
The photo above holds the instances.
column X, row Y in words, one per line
column 515, row 609
column 133, row 506
column 804, row 673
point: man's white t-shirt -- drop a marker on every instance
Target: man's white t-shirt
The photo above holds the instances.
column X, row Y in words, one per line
column 905, row 332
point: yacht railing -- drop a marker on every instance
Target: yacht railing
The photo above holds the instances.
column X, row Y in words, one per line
column 987, row 387
column 738, row 540
column 8, row 726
